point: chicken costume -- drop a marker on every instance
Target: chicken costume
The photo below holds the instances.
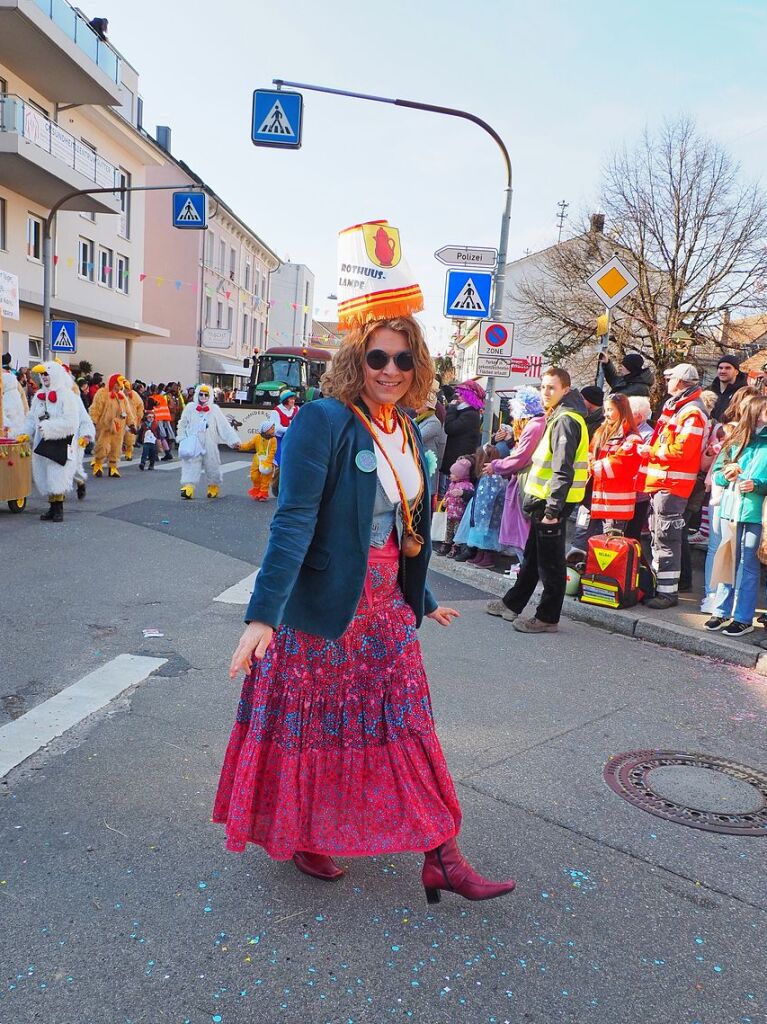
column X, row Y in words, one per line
column 201, row 429
column 15, row 405
column 137, row 408
column 112, row 414
column 53, row 417
column 264, row 445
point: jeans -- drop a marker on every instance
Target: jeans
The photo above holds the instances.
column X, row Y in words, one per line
column 149, row 454
column 544, row 558
column 714, row 540
column 739, row 601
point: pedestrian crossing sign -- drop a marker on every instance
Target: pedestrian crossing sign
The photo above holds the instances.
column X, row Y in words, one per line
column 64, row 336
column 190, row 210
column 467, row 294
column 277, row 118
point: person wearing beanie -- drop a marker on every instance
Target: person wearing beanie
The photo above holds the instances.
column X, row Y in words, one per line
column 633, row 378
column 593, row 398
column 463, row 423
column 729, row 379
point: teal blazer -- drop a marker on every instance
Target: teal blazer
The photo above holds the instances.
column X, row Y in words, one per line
column 313, row 572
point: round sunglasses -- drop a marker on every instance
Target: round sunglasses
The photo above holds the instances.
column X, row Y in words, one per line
column 376, row 359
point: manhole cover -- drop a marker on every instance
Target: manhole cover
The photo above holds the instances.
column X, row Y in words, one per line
column 704, row 792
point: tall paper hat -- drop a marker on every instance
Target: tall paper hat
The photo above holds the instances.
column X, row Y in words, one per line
column 374, row 280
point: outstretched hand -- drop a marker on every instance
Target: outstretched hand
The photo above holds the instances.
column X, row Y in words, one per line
column 444, row 616
column 253, row 644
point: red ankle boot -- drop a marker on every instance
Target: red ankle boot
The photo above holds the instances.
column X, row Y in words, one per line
column 447, row 869
column 318, row 865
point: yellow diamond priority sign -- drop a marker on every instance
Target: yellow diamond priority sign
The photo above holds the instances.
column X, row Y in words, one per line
column 612, row 282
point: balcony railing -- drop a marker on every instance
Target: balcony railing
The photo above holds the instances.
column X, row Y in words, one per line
column 22, row 118
column 79, row 31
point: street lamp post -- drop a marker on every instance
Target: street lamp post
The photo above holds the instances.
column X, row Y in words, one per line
column 50, row 220
column 499, row 276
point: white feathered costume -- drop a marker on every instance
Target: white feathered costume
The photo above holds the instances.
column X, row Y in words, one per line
column 201, row 429
column 52, row 415
column 15, row 407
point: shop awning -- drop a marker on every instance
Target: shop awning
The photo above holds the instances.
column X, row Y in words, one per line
column 213, row 364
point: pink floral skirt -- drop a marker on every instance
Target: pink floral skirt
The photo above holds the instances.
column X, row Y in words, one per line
column 333, row 749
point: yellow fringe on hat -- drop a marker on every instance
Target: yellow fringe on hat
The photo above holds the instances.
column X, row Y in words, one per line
column 385, row 305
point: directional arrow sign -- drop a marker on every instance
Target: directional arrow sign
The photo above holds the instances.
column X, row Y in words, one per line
column 466, row 256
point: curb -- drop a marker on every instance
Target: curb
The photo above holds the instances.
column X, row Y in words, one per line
column 631, row 622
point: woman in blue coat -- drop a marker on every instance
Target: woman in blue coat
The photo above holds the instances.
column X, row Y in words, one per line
column 334, row 751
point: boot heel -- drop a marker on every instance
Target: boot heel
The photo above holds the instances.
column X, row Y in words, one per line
column 432, row 895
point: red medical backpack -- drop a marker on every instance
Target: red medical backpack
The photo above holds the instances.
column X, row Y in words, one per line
column 611, row 578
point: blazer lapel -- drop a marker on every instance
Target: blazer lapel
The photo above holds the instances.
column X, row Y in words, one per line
column 365, row 482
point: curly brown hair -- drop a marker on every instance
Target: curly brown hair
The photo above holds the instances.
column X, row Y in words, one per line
column 345, row 377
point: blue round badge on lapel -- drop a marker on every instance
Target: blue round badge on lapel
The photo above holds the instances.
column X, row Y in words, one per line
column 366, row 461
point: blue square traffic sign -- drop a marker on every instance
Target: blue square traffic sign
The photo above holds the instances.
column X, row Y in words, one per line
column 190, row 210
column 277, row 118
column 467, row 294
column 64, row 336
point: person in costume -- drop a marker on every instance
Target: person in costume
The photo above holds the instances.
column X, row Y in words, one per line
column 112, row 414
column 264, row 444
column 201, row 429
column 15, row 404
column 334, row 750
column 83, row 436
column 282, row 417
column 51, row 424
column 137, row 409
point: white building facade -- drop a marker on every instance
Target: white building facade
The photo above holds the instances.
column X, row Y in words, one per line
column 291, row 305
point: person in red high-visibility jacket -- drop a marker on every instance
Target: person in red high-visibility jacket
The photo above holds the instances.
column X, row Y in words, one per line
column 615, row 463
column 671, row 463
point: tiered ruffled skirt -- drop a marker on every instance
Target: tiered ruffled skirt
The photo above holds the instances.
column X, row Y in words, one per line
column 334, row 749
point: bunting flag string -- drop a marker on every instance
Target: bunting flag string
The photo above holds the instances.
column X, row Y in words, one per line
column 210, row 291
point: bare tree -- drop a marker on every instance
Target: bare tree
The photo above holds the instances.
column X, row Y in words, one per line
column 692, row 232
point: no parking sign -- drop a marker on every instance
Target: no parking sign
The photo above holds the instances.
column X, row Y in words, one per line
column 495, row 339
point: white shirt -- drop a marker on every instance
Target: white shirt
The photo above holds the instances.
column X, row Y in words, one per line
column 149, row 437
column 404, row 463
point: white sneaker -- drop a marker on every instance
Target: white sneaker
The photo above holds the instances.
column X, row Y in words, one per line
column 708, row 604
column 698, row 540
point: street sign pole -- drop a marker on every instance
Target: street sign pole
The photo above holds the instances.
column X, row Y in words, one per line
column 602, row 347
column 503, row 246
column 48, row 225
column 499, row 286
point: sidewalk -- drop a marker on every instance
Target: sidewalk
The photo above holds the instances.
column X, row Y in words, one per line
column 678, row 627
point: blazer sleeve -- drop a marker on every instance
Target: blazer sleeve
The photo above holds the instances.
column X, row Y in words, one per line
column 305, row 459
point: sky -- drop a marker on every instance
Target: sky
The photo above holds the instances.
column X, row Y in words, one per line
column 564, row 83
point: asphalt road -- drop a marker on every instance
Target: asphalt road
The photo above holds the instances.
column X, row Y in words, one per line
column 119, row 904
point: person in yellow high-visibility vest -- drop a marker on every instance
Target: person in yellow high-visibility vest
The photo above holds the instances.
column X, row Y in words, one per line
column 555, row 484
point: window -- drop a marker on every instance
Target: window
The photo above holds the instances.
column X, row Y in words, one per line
column 34, row 237
column 85, row 259
column 105, row 266
column 35, row 350
column 123, row 269
column 229, row 318
column 219, row 314
column 208, row 310
column 124, row 180
column 3, row 224
column 221, row 257
column 247, row 276
column 244, row 328
column 232, row 263
column 210, row 241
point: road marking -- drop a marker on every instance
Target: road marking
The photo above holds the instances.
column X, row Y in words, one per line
column 240, row 592
column 226, row 467
column 24, row 737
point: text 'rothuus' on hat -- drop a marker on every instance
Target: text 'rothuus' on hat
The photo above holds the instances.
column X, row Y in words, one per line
column 374, row 279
